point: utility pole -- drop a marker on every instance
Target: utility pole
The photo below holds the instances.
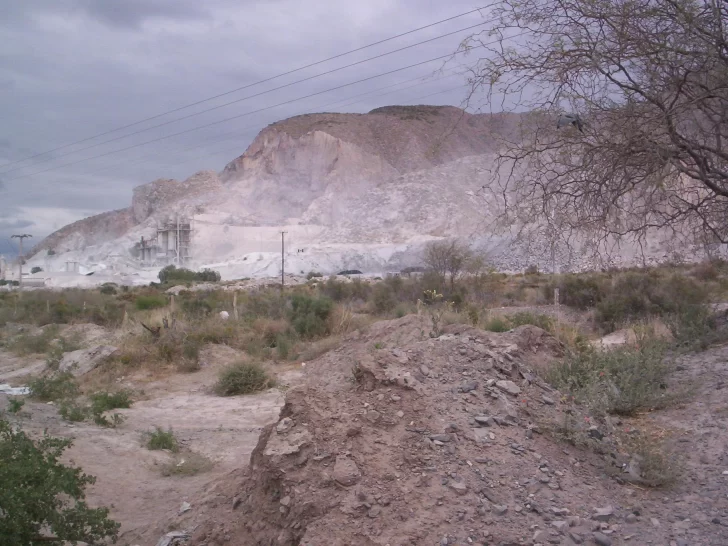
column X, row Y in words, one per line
column 283, row 259
column 179, row 247
column 20, row 257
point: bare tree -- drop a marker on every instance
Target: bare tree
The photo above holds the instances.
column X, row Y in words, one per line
column 647, row 81
column 448, row 258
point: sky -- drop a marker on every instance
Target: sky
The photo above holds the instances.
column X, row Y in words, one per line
column 74, row 69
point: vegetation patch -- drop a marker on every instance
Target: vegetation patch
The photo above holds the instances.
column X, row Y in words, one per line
column 187, row 463
column 154, row 301
column 621, row 381
column 54, row 387
column 309, row 315
column 42, row 500
column 172, row 273
column 242, row 378
column 161, row 439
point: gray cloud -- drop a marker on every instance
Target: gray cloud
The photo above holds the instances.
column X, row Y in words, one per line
column 14, row 224
column 73, row 68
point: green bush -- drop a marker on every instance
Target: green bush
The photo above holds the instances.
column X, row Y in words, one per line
column 522, row 318
column 15, row 405
column 144, row 303
column 383, row 299
column 497, row 324
column 174, row 274
column 108, row 289
column 161, row 439
column 70, row 411
column 196, row 307
column 42, row 500
column 622, row 381
column 578, row 291
column 55, row 387
column 104, row 401
column 636, row 296
column 26, row 344
column 309, row 315
column 242, row 378
column 314, row 275
column 35, row 269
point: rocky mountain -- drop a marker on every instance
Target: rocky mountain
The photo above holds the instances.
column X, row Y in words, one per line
column 351, row 191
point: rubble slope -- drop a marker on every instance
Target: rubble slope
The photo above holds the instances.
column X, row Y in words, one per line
column 398, row 438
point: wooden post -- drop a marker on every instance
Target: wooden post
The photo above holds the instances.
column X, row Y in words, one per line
column 171, row 303
column 235, row 305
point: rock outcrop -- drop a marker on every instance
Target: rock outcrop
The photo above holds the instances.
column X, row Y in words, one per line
column 353, row 191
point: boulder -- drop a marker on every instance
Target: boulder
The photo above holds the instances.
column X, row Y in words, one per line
column 346, row 472
column 84, row 360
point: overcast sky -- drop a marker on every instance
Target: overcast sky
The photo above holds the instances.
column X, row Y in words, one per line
column 71, row 69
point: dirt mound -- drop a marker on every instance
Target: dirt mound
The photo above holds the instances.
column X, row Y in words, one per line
column 401, row 438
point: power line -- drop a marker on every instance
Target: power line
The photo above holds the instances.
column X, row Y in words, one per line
column 242, row 131
column 195, row 114
column 224, row 120
column 231, row 149
column 227, row 119
column 247, row 86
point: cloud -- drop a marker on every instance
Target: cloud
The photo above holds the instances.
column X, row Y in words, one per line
column 6, row 225
column 74, row 68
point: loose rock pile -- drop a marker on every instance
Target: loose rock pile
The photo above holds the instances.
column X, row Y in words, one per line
column 436, row 441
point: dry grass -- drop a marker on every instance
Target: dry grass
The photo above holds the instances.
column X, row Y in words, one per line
column 315, row 349
column 186, row 463
column 652, row 458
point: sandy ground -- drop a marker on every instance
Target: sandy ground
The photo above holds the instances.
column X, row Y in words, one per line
column 129, row 476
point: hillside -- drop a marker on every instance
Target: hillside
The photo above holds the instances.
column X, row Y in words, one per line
column 352, row 191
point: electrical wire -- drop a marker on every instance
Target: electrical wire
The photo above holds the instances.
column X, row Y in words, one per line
column 208, row 99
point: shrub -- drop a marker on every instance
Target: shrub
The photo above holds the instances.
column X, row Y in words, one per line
column 531, row 270
column 314, row 275
column 383, row 299
column 635, row 296
column 187, row 463
column 55, row 387
column 108, row 289
column 706, row 271
column 658, row 466
column 309, row 315
column 15, row 405
column 578, row 291
column 143, row 303
column 51, row 252
column 42, row 500
column 70, row 411
column 35, row 269
column 242, row 378
column 34, row 344
column 161, row 439
column 104, row 401
column 196, row 307
column 497, row 324
column 172, row 273
column 522, row 318
column 623, row 380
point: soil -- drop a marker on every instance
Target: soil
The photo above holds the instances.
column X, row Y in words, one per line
column 381, row 446
column 400, row 437
column 130, row 478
